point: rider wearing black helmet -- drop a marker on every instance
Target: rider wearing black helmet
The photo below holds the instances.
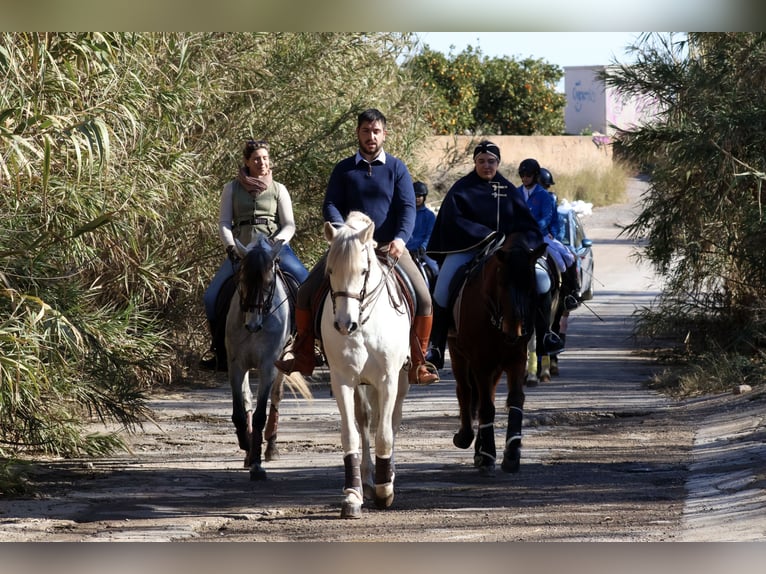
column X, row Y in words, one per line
column 424, row 225
column 546, row 178
column 543, row 208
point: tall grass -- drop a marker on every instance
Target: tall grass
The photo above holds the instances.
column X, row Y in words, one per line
column 599, row 187
column 113, row 151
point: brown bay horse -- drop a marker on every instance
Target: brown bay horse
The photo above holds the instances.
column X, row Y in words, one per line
column 494, row 319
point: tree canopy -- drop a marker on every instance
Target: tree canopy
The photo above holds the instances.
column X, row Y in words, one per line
column 471, row 93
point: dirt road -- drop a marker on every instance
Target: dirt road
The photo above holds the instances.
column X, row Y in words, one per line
column 603, row 458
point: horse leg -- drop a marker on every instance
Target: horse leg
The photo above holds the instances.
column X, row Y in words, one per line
column 352, row 488
column 515, row 404
column 531, row 372
column 257, row 472
column 272, row 423
column 242, row 410
column 362, row 412
column 349, row 437
column 466, row 401
column 485, row 451
column 270, row 434
column 545, row 369
column 384, row 442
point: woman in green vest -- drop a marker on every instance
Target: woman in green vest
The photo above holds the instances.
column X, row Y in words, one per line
column 251, row 202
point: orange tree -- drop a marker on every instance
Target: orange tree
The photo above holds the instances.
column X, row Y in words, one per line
column 477, row 94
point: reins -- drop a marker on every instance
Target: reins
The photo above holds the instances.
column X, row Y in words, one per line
column 368, row 299
column 263, row 305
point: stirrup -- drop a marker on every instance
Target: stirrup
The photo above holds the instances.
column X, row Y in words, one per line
column 430, row 368
column 435, row 358
column 552, row 344
column 571, row 303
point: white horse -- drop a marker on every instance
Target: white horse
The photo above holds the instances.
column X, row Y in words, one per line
column 257, row 327
column 366, row 339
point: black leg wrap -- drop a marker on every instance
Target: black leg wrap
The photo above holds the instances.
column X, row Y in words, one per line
column 515, row 416
column 487, row 440
column 353, row 473
column 384, row 470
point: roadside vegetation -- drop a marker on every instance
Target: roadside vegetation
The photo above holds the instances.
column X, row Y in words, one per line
column 702, row 221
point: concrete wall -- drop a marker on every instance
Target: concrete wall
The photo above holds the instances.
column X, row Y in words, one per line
column 446, row 158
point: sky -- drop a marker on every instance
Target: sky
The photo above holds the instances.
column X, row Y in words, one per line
column 560, row 48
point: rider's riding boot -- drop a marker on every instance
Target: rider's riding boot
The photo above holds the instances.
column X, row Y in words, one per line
column 300, row 356
column 552, row 343
column 420, row 372
column 216, row 360
column 569, row 278
column 438, row 337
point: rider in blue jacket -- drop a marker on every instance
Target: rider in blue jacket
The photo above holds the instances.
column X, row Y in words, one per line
column 424, row 225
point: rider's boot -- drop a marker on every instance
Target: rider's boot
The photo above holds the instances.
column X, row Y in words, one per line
column 300, row 355
column 552, row 343
column 421, row 373
column 439, row 331
column 216, row 358
column 570, row 280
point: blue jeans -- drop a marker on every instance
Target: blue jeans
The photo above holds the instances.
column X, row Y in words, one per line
column 288, row 262
column 452, row 262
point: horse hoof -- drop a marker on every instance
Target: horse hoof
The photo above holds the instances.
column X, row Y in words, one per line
column 257, row 473
column 530, row 381
column 545, row 378
column 463, row 439
column 386, row 499
column 271, row 454
column 351, row 510
column 486, row 469
column 384, row 502
column 511, row 461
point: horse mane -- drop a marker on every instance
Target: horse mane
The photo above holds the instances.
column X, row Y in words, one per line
column 256, row 262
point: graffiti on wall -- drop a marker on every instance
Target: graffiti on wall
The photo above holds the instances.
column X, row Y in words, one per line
column 580, row 95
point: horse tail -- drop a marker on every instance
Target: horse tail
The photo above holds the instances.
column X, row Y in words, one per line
column 298, row 385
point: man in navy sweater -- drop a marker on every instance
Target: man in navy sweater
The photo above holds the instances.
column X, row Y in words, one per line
column 379, row 185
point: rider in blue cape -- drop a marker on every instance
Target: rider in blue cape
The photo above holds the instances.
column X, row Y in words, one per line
column 476, row 206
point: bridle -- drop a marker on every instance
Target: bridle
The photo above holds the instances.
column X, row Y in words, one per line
column 367, row 299
column 260, row 301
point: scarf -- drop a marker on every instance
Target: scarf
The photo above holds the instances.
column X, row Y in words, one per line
column 253, row 185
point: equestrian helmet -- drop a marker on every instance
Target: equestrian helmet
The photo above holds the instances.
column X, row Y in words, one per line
column 421, row 189
column 546, row 178
column 529, row 166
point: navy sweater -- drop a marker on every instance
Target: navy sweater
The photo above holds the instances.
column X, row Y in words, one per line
column 383, row 191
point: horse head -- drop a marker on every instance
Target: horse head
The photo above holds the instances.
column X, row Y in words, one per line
column 257, row 279
column 351, row 265
column 516, row 289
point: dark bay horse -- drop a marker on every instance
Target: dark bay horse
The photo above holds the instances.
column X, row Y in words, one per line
column 257, row 328
column 494, row 320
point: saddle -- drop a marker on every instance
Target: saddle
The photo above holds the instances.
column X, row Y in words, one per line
column 468, row 271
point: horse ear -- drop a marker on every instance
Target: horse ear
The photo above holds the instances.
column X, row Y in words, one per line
column 329, row 231
column 365, row 234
